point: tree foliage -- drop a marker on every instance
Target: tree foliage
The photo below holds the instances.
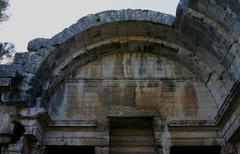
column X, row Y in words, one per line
column 7, row 49
column 3, row 5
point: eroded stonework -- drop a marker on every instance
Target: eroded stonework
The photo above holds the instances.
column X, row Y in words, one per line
column 129, row 81
column 138, row 81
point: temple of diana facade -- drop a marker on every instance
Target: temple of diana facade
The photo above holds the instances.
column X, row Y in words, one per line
column 127, row 82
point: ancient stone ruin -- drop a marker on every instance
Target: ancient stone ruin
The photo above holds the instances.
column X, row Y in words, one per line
column 128, row 81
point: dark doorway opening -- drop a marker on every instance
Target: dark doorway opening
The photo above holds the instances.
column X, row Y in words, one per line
column 131, row 127
column 195, row 150
column 131, row 135
column 131, row 123
column 70, row 150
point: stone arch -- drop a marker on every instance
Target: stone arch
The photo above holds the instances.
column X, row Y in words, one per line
column 121, row 71
column 219, row 61
column 86, row 44
column 155, row 29
column 203, row 38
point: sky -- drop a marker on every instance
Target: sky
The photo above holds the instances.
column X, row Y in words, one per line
column 31, row 19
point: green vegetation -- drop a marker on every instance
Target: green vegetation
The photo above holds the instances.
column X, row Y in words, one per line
column 3, row 5
column 7, row 49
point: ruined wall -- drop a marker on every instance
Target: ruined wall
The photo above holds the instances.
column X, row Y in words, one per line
column 132, row 84
column 6, row 114
column 131, row 63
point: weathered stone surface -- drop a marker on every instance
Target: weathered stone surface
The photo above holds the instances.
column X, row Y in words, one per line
column 7, row 71
column 43, row 52
column 38, row 43
column 20, row 58
column 17, row 148
column 102, row 150
column 131, row 63
column 173, row 91
column 5, row 82
column 18, row 98
column 28, row 77
column 80, row 138
column 97, row 19
column 24, row 86
column 6, row 114
column 32, row 62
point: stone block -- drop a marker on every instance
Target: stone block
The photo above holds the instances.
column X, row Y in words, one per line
column 165, row 19
column 193, row 4
column 18, row 98
column 33, row 63
column 74, row 28
column 39, row 43
column 234, row 71
column 184, row 3
column 27, row 77
column 202, row 6
column 122, row 28
column 228, row 60
column 234, row 5
column 142, row 29
column 25, row 86
column 140, row 14
column 106, row 17
column 211, row 10
column 220, row 47
column 131, row 28
column 83, row 22
column 6, row 113
column 94, row 36
column 228, row 85
column 220, row 13
column 20, row 58
column 236, row 28
column 43, row 52
column 80, row 40
column 61, row 37
column 229, row 19
column 5, row 82
column 101, row 150
column 7, row 71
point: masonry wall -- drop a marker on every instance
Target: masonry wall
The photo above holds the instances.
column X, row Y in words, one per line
column 132, row 84
column 70, row 76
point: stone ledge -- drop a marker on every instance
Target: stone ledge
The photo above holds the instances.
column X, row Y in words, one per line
column 8, row 71
column 53, row 137
column 192, row 123
column 4, row 139
column 73, row 123
column 5, row 82
column 76, row 141
column 14, row 98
